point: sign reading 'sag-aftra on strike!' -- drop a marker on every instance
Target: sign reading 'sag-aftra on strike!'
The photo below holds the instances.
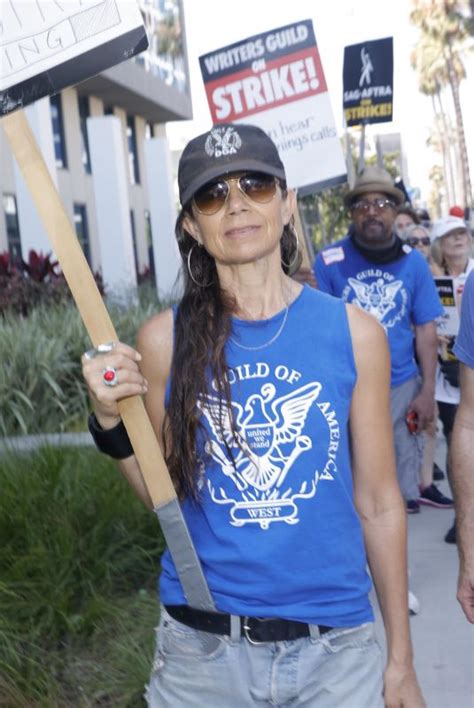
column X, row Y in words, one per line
column 368, row 82
column 275, row 80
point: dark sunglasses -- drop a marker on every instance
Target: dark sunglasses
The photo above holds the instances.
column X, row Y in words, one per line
column 377, row 204
column 257, row 186
column 413, row 241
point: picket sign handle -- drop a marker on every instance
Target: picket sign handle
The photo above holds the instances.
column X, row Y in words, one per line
column 306, row 260
column 86, row 295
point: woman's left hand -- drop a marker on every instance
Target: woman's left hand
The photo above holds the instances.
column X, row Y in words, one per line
column 401, row 688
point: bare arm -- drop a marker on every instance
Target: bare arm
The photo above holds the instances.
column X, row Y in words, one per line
column 462, row 482
column 427, row 351
column 379, row 503
column 140, row 372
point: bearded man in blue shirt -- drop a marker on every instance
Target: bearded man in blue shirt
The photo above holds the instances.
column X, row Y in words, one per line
column 375, row 270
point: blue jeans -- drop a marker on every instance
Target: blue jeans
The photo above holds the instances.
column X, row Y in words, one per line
column 192, row 669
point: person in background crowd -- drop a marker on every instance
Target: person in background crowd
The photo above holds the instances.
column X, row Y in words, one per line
column 406, row 216
column 424, row 217
column 417, row 236
column 375, row 270
column 451, row 250
column 271, row 402
column 462, row 453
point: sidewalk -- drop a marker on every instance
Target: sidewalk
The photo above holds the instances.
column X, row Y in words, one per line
column 443, row 639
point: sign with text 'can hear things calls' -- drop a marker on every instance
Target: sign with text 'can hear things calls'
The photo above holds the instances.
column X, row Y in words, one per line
column 276, row 80
column 48, row 45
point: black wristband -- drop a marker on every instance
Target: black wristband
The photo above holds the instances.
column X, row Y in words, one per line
column 113, row 442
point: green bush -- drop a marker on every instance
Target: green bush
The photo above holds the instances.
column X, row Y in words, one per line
column 78, row 561
column 41, row 387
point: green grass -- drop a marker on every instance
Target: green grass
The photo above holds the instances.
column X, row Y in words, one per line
column 78, row 562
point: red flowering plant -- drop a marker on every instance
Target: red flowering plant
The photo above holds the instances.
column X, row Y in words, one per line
column 41, row 268
column 27, row 284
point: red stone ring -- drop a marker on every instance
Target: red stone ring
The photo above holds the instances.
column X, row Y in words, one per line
column 109, row 376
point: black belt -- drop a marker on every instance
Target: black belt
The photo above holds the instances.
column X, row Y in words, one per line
column 255, row 629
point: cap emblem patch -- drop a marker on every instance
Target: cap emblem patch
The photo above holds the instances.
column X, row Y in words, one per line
column 222, row 141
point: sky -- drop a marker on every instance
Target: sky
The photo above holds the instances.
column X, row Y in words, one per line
column 211, row 24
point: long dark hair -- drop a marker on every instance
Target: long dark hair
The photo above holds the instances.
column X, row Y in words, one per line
column 203, row 325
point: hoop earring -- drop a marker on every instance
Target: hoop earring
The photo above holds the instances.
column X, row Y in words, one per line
column 200, row 285
column 297, row 249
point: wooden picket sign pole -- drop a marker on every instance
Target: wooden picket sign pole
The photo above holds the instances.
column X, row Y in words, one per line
column 100, row 328
column 306, row 259
column 86, row 295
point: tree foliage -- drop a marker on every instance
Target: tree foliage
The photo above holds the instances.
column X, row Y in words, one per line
column 446, row 28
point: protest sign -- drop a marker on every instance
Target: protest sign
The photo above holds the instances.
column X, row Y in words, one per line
column 368, row 82
column 46, row 46
column 275, row 80
column 107, row 32
column 448, row 323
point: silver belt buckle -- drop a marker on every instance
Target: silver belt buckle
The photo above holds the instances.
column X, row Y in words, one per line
column 246, row 627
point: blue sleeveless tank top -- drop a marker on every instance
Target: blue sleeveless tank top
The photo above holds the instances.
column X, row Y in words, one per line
column 278, row 534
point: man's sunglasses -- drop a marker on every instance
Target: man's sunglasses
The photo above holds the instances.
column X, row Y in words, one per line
column 377, row 204
column 413, row 241
column 257, row 186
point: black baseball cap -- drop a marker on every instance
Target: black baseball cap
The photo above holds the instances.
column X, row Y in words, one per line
column 226, row 148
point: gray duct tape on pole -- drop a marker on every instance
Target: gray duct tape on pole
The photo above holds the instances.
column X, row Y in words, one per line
column 184, row 555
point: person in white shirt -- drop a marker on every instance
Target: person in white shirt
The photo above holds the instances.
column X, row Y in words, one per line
column 452, row 251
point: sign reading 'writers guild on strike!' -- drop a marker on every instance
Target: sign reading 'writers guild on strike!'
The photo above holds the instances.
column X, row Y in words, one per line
column 368, row 82
column 275, row 80
column 47, row 45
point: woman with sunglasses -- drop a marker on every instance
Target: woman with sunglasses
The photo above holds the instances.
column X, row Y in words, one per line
column 417, row 236
column 251, row 383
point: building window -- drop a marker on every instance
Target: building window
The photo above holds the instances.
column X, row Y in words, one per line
column 134, row 239
column 132, row 151
column 13, row 228
column 82, row 229
column 108, row 110
column 149, row 131
column 84, row 113
column 58, row 131
column 149, row 243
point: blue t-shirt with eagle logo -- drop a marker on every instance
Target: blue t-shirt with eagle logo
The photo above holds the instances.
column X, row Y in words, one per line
column 400, row 295
column 276, row 530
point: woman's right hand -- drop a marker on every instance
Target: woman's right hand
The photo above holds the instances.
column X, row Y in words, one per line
column 130, row 382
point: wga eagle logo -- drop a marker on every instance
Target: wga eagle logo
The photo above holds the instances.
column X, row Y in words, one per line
column 367, row 67
column 222, row 141
column 376, row 298
column 270, row 440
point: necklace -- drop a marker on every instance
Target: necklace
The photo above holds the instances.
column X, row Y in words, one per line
column 270, row 341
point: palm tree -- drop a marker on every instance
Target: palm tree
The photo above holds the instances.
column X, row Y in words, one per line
column 447, row 26
column 431, row 72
